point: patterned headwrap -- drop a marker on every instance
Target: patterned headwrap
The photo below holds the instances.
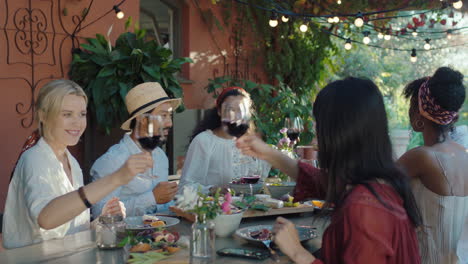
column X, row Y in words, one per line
column 431, row 110
column 221, row 95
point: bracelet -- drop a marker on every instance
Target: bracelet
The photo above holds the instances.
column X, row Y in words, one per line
column 83, row 197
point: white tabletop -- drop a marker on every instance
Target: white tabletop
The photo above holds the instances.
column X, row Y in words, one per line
column 81, row 247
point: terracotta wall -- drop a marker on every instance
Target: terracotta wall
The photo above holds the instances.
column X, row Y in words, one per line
column 206, row 45
column 51, row 56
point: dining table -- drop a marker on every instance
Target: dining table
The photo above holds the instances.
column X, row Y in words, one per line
column 81, row 247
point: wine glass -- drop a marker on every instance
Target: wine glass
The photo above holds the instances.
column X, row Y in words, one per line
column 295, row 127
column 235, row 118
column 149, row 131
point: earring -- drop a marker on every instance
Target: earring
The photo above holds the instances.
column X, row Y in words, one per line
column 419, row 124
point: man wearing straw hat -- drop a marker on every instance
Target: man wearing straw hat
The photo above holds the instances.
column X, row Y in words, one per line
column 151, row 191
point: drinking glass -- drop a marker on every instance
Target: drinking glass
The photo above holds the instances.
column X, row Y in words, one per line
column 149, row 131
column 295, row 127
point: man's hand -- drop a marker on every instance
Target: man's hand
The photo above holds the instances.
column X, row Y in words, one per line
column 164, row 192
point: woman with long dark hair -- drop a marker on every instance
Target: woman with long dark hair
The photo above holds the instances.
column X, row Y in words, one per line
column 439, row 168
column 375, row 214
column 212, row 159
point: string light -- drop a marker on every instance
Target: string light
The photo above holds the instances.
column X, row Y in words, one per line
column 415, row 33
column 273, row 20
column 427, row 46
column 118, row 13
column 330, row 20
column 458, row 4
column 380, row 35
column 336, row 19
column 366, row 38
column 413, row 58
column 387, row 36
column 338, row 2
column 303, row 28
column 359, row 21
column 449, row 34
column 348, row 44
column 284, row 18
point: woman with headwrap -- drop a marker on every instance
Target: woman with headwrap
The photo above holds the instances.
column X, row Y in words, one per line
column 439, row 169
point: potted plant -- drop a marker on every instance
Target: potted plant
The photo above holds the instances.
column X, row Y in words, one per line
column 108, row 72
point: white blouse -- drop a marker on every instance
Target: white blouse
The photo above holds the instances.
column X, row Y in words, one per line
column 39, row 178
column 214, row 161
column 444, row 220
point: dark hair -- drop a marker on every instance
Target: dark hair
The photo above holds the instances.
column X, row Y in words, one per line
column 446, row 86
column 354, row 144
column 212, row 120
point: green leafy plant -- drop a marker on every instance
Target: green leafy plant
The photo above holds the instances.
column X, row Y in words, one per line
column 108, row 72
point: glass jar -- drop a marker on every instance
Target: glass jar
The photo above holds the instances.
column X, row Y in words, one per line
column 202, row 242
column 110, row 231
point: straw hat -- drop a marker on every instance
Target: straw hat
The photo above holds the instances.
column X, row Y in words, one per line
column 145, row 97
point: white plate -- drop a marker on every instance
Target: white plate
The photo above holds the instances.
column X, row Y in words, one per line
column 305, row 232
column 136, row 223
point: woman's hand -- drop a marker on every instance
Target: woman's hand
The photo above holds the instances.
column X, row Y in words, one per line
column 134, row 165
column 287, row 239
column 253, row 146
column 114, row 207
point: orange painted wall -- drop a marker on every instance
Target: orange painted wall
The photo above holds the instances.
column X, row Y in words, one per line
column 206, row 45
column 16, row 93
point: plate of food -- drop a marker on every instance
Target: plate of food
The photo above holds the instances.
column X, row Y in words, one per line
column 256, row 234
column 149, row 222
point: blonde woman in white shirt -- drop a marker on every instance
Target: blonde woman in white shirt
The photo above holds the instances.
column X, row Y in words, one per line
column 212, row 159
column 46, row 197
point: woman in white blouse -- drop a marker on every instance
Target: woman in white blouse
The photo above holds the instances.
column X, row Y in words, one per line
column 212, row 159
column 46, row 197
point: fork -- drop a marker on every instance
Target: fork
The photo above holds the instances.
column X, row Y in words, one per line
column 274, row 255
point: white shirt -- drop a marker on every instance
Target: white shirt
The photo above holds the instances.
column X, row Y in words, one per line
column 39, row 178
column 137, row 195
column 214, row 161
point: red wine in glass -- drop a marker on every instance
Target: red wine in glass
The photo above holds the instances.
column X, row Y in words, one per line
column 150, row 143
column 293, row 135
column 235, row 129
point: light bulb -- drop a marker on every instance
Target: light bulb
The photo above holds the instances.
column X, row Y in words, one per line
column 303, row 28
column 413, row 57
column 359, row 22
column 120, row 15
column 449, row 35
column 330, row 20
column 366, row 40
column 336, row 19
column 338, row 2
column 427, row 46
column 458, row 4
column 415, row 34
column 348, row 46
column 284, row 18
column 380, row 35
column 273, row 23
column 387, row 37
